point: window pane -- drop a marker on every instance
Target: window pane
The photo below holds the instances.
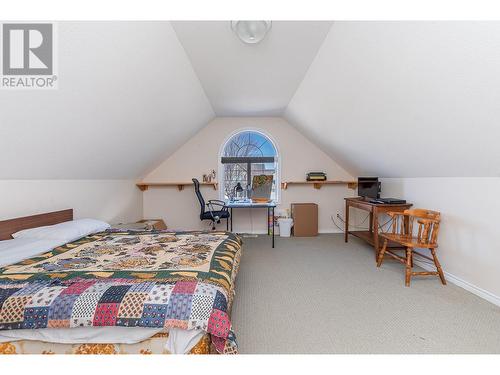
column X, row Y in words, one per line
column 243, row 148
column 234, row 173
column 249, row 144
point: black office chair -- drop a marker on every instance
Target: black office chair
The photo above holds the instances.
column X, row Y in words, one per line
column 212, row 214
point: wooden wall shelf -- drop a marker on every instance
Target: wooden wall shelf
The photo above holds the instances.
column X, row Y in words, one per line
column 318, row 184
column 180, row 185
column 284, row 185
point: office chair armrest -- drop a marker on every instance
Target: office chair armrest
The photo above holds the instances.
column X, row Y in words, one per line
column 216, row 202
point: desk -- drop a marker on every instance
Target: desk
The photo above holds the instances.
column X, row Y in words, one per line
column 270, row 210
column 375, row 209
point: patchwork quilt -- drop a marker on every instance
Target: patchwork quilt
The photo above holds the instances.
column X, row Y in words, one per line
column 129, row 279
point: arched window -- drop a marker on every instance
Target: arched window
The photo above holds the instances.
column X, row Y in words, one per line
column 247, row 154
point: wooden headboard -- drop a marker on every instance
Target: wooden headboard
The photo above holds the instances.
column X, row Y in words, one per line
column 7, row 227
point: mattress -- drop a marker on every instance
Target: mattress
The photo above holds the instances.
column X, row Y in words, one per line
column 178, row 341
column 157, row 344
column 124, row 287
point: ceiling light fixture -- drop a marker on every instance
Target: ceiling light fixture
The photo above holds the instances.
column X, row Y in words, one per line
column 251, row 32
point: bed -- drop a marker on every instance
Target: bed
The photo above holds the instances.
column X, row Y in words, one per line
column 119, row 292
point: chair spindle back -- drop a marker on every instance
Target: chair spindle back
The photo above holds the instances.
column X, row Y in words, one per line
column 426, row 220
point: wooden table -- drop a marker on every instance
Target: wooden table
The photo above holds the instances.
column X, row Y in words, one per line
column 375, row 210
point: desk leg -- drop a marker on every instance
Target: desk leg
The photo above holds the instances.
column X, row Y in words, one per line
column 346, row 231
column 273, row 226
column 375, row 232
column 227, row 225
column 267, row 220
column 231, row 216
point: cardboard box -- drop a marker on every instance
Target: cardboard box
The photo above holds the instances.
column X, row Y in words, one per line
column 305, row 219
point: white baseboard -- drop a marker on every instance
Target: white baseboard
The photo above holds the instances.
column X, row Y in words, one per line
column 488, row 296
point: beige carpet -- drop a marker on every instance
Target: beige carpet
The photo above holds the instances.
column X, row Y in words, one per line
column 320, row 295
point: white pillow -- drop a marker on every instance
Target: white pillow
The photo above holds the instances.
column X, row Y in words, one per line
column 13, row 251
column 68, row 231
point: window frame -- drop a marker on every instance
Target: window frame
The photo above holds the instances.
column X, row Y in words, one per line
column 248, row 160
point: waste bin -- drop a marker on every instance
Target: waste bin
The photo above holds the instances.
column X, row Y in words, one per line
column 285, row 226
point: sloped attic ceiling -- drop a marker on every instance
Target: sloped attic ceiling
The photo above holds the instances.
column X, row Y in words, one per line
column 127, row 97
column 405, row 99
column 373, row 96
column 251, row 80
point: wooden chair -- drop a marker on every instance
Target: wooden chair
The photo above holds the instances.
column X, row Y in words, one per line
column 401, row 232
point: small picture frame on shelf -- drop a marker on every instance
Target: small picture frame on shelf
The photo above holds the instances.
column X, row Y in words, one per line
column 210, row 176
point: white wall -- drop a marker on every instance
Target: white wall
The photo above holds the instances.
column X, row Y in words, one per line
column 109, row 200
column 199, row 155
column 469, row 237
